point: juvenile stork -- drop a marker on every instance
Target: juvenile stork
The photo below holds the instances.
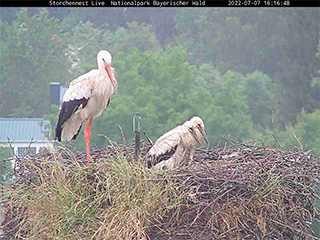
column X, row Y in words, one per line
column 85, row 99
column 176, row 147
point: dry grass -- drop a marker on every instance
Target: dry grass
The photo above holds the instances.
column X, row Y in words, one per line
column 244, row 192
column 56, row 198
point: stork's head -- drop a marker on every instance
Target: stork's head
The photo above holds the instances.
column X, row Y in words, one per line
column 191, row 129
column 198, row 127
column 104, row 59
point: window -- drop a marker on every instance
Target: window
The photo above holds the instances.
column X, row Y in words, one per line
column 23, row 151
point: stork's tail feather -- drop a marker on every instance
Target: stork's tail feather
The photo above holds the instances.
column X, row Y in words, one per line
column 58, row 133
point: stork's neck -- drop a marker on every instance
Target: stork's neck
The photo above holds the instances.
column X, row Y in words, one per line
column 102, row 72
column 101, row 67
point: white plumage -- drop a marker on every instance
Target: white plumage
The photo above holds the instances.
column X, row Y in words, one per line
column 85, row 99
column 176, row 147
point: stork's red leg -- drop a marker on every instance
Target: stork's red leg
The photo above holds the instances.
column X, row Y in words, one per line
column 90, row 124
column 87, row 135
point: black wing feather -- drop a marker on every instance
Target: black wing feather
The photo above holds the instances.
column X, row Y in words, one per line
column 153, row 160
column 75, row 136
column 66, row 111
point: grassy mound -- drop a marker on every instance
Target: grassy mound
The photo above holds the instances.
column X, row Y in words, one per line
column 244, row 192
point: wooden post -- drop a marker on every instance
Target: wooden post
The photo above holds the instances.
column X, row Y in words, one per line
column 137, row 145
column 136, row 130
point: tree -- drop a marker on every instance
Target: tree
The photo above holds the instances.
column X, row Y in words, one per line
column 316, row 80
column 160, row 87
column 161, row 20
column 8, row 14
column 137, row 35
column 268, row 40
column 306, row 130
column 166, row 90
column 256, row 90
column 227, row 112
column 259, row 91
column 83, row 56
column 32, row 55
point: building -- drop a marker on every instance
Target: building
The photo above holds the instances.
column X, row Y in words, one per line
column 26, row 135
column 30, row 135
column 56, row 93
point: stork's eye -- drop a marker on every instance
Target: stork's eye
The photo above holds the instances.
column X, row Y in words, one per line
column 199, row 125
column 103, row 60
column 190, row 130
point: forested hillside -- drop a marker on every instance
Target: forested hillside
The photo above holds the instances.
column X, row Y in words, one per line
column 252, row 73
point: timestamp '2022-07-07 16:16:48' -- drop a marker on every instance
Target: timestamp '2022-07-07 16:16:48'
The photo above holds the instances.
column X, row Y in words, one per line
column 258, row 3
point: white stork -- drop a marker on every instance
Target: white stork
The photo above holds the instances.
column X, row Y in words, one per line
column 85, row 99
column 176, row 147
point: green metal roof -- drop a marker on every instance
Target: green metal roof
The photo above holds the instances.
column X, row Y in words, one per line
column 23, row 129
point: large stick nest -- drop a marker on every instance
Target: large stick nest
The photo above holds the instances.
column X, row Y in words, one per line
column 238, row 192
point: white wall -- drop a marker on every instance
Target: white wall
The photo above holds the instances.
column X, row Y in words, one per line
column 36, row 144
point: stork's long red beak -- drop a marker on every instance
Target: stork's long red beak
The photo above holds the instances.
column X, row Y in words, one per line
column 109, row 71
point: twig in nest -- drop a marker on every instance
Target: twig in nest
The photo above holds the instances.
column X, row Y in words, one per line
column 224, row 137
column 273, row 135
column 10, row 145
column 149, row 140
column 17, row 159
column 195, row 219
column 301, row 147
column 112, row 143
column 122, row 135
